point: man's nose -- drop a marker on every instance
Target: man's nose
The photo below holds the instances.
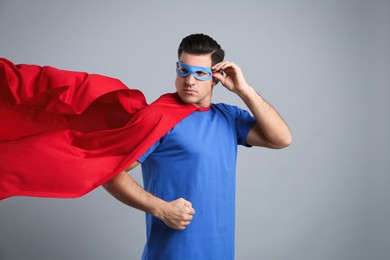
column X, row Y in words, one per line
column 190, row 80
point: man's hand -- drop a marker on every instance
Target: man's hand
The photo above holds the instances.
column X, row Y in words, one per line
column 177, row 214
column 230, row 76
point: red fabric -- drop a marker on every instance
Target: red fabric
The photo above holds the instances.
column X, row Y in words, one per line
column 64, row 133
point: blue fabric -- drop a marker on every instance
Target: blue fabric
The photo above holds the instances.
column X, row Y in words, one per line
column 196, row 161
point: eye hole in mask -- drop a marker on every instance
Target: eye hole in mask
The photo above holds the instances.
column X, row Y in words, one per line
column 200, row 73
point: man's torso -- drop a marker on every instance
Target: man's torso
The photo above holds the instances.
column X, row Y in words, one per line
column 196, row 161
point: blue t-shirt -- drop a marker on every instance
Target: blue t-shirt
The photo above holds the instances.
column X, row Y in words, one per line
column 196, row 160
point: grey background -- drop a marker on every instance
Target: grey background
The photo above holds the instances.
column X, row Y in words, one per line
column 324, row 65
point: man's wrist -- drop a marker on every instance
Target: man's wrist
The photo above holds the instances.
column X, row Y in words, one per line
column 157, row 208
column 246, row 92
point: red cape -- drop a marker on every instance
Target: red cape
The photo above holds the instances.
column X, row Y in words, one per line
column 64, row 133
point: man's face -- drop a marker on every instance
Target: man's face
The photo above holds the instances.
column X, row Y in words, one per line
column 190, row 89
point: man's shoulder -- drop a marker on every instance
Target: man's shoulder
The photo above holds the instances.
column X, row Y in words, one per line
column 227, row 108
column 224, row 106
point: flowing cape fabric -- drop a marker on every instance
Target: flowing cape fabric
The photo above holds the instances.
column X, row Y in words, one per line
column 64, row 133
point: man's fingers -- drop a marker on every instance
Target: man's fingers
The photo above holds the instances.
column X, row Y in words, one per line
column 185, row 202
column 188, row 206
column 191, row 211
column 187, row 218
column 219, row 75
column 222, row 66
column 182, row 224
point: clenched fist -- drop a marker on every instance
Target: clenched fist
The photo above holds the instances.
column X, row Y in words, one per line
column 177, row 214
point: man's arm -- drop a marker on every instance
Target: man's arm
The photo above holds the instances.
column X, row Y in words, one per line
column 176, row 214
column 270, row 129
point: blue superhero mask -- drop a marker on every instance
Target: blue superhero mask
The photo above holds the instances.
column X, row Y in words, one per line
column 200, row 73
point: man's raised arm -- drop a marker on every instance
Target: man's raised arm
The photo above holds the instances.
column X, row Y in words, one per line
column 270, row 130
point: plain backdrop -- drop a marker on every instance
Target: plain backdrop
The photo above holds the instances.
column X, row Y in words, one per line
column 324, row 65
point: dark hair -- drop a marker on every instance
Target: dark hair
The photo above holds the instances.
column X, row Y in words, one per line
column 202, row 44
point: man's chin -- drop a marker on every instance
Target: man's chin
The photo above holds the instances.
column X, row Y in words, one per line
column 188, row 99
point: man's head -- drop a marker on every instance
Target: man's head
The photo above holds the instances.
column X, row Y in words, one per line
column 197, row 54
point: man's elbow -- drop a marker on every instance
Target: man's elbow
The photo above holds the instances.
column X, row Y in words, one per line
column 283, row 142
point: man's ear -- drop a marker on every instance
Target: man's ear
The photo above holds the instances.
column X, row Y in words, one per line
column 215, row 81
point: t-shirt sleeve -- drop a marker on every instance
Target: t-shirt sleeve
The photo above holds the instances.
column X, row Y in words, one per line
column 244, row 123
column 241, row 118
column 149, row 151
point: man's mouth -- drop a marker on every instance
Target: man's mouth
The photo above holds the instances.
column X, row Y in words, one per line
column 187, row 90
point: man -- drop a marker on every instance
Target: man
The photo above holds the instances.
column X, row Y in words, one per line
column 189, row 174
